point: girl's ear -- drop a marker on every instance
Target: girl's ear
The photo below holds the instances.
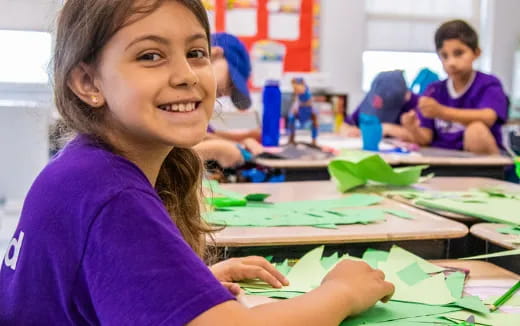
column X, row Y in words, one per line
column 82, row 83
column 478, row 52
column 217, row 53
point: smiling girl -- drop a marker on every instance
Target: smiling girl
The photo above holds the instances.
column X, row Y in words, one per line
column 111, row 231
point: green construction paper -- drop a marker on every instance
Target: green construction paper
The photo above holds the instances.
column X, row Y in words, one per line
column 308, row 272
column 433, row 320
column 495, row 318
column 455, row 282
column 225, row 202
column 328, row 262
column 412, row 274
column 256, row 197
column 284, row 267
column 354, row 168
column 472, row 303
column 393, row 311
column 510, row 230
column 492, row 209
column 399, row 213
column 320, row 213
column 373, row 257
column 401, row 258
column 496, row 254
column 277, row 294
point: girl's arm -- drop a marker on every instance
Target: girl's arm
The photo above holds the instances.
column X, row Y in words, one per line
column 397, row 131
column 350, row 288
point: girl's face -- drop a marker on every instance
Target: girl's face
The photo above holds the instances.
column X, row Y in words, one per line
column 457, row 58
column 156, row 77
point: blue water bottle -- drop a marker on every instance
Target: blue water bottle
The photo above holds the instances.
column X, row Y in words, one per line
column 272, row 102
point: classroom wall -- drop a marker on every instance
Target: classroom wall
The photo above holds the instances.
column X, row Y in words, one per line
column 34, row 15
column 501, row 38
column 342, row 45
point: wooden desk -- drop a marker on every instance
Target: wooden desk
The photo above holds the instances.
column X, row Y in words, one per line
column 482, row 275
column 442, row 162
column 424, row 226
column 488, row 232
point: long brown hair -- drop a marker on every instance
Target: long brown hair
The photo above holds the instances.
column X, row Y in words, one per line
column 84, row 27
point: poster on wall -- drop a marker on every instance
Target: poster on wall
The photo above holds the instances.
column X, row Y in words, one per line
column 210, row 6
column 284, row 19
column 241, row 17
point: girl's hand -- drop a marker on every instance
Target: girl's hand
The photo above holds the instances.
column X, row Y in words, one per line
column 429, row 107
column 349, row 131
column 362, row 285
column 246, row 268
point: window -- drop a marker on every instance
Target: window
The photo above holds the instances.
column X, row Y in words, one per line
column 399, row 34
column 25, row 56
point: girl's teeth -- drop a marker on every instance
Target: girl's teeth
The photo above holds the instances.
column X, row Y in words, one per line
column 181, row 107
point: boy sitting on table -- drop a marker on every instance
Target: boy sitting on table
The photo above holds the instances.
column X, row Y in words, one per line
column 466, row 111
column 388, row 99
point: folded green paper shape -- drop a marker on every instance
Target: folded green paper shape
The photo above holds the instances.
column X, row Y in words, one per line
column 354, row 169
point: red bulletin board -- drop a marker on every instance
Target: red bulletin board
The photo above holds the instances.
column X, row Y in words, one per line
column 301, row 53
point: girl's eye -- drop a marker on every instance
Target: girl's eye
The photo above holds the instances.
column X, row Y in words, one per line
column 197, row 54
column 149, row 57
column 458, row 53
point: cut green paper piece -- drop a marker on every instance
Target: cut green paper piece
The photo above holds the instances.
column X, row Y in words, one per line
column 510, row 230
column 393, row 311
column 308, row 272
column 494, row 319
column 284, row 267
column 373, row 257
column 225, row 202
column 472, row 303
column 355, row 168
column 328, row 262
column 412, row 274
column 399, row 213
column 268, row 258
column 504, row 253
column 319, row 213
column 455, row 282
column 257, row 197
column 277, row 294
column 401, row 258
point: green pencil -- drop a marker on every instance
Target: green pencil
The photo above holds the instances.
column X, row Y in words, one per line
column 506, row 296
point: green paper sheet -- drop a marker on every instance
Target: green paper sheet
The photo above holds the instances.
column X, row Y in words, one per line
column 495, row 318
column 283, row 267
column 412, row 274
column 510, row 230
column 472, row 303
column 401, row 258
column 496, row 254
column 257, row 197
column 319, row 213
column 393, row 311
column 328, row 262
column 373, row 257
column 355, row 168
column 492, row 209
column 455, row 282
column 399, row 213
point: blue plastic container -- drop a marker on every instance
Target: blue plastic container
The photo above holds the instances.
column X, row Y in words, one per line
column 371, row 131
column 272, row 103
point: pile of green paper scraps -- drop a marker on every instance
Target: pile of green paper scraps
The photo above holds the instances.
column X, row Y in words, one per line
column 350, row 209
column 489, row 205
column 355, row 168
column 425, row 294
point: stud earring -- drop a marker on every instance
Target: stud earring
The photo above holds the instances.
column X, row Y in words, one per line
column 95, row 99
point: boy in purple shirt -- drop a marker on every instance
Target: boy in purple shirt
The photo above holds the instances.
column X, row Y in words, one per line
column 466, row 111
column 111, row 230
column 388, row 99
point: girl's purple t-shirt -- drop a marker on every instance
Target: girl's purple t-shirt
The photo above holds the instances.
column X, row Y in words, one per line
column 485, row 92
column 95, row 245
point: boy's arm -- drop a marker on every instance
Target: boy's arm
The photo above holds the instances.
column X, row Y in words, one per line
column 431, row 109
column 422, row 136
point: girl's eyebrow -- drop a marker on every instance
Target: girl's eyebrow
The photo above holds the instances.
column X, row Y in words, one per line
column 150, row 37
column 165, row 41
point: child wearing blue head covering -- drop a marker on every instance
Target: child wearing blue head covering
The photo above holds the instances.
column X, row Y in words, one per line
column 387, row 99
column 232, row 68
